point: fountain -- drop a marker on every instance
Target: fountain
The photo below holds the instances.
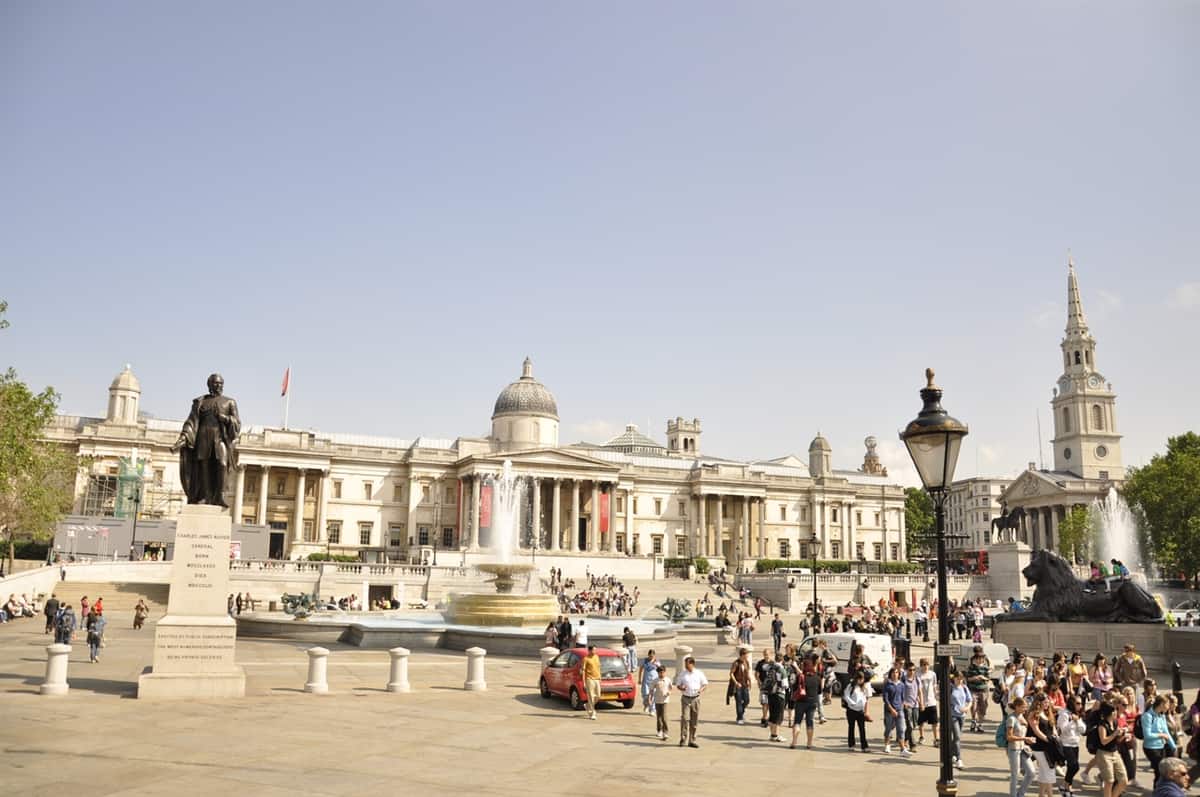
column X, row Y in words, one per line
column 504, row 607
column 1116, row 532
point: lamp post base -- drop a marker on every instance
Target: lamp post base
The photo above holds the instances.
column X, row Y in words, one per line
column 948, row 788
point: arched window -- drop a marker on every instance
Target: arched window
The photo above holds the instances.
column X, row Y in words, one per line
column 1077, row 360
column 1087, row 355
column 1097, row 417
column 1066, row 419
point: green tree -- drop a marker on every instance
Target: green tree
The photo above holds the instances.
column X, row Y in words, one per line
column 36, row 477
column 1166, row 496
column 1075, row 534
column 919, row 522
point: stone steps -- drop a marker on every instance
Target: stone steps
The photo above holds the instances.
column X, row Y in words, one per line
column 118, row 596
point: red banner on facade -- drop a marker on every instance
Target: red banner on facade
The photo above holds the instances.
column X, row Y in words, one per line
column 604, row 511
column 485, row 506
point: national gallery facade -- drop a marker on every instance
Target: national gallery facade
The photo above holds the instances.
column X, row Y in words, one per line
column 386, row 499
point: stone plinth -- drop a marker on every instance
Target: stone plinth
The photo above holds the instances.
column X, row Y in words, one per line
column 1006, row 560
column 194, row 642
column 55, row 682
column 1037, row 638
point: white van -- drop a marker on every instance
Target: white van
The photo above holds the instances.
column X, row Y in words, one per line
column 876, row 647
column 795, row 571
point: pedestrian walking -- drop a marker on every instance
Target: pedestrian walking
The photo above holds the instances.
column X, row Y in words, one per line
column 1017, row 739
column 65, row 625
column 1071, row 729
column 1044, row 729
column 856, row 699
column 777, row 633
column 739, row 682
column 591, row 680
column 806, row 697
column 1156, row 737
column 1108, row 739
column 629, row 639
column 960, row 702
column 893, row 713
column 647, row 677
column 927, row 702
column 661, row 695
column 139, row 614
column 777, row 686
column 760, row 674
column 51, row 610
column 912, row 699
column 95, row 635
column 692, row 683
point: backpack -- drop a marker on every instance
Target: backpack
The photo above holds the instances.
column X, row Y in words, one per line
column 1002, row 734
column 1137, row 729
column 799, row 692
column 1092, row 739
column 64, row 623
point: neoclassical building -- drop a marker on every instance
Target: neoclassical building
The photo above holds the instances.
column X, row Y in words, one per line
column 1087, row 445
column 387, row 498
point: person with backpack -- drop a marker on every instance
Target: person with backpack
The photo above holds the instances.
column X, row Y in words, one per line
column 1156, row 738
column 65, row 625
column 1071, row 729
column 856, row 700
column 979, row 681
column 1108, row 739
column 806, row 697
column 1016, row 738
column 777, row 685
column 95, row 634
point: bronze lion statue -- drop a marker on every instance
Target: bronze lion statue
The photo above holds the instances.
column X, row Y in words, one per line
column 1061, row 597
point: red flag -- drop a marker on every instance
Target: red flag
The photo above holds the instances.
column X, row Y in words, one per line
column 286, row 378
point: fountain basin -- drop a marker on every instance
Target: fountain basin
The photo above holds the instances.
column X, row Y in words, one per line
column 491, row 609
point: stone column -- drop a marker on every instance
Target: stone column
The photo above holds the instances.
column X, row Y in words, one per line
column 318, row 664
column 264, row 486
column 702, row 530
column 744, row 529
column 1054, row 528
column 239, row 494
column 322, row 507
column 719, row 548
column 681, row 654
column 55, row 682
column 628, row 522
column 556, row 515
column 536, row 511
column 762, row 528
column 903, row 542
column 612, row 522
column 816, row 534
column 573, row 532
column 473, row 513
column 298, row 521
column 476, row 682
column 593, row 540
column 852, row 531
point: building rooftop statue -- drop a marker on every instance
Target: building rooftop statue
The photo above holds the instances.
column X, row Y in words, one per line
column 526, row 396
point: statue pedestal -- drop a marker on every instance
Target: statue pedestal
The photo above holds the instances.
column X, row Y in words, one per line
column 1038, row 638
column 194, row 642
column 1006, row 560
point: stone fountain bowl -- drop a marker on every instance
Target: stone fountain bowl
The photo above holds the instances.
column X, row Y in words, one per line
column 504, row 575
column 502, row 607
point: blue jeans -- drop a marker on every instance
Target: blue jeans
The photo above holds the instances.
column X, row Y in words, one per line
column 631, row 658
column 741, row 699
column 94, row 648
column 1020, row 767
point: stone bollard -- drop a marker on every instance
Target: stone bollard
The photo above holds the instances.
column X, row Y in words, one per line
column 475, row 663
column 55, row 682
column 398, row 679
column 681, row 653
column 547, row 653
column 318, row 661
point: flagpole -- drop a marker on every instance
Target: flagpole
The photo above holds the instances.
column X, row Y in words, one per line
column 287, row 397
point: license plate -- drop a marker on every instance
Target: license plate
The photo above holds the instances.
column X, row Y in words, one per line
column 609, row 696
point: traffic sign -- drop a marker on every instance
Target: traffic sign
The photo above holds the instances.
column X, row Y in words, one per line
column 948, row 649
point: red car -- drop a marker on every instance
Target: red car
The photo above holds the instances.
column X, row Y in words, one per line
column 563, row 677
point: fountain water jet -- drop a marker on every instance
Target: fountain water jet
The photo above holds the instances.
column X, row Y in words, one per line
column 1116, row 531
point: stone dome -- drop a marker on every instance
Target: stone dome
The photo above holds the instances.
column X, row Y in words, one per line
column 126, row 381
column 819, row 443
column 526, row 396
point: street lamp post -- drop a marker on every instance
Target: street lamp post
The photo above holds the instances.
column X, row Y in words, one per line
column 137, row 505
column 933, row 440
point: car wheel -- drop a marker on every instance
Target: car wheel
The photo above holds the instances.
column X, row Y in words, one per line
column 544, row 688
column 836, row 688
column 576, row 702
column 627, row 703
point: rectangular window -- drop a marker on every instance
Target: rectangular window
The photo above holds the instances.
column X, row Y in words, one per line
column 395, row 534
column 836, row 549
column 895, row 551
column 397, row 493
column 804, row 513
column 1104, row 475
column 447, row 536
column 364, row 532
column 281, row 485
column 422, row 535
column 878, row 551
column 803, row 550
column 859, row 548
column 785, row 549
column 986, row 517
column 621, row 543
column 158, row 477
column 876, row 518
column 783, row 511
column 635, row 506
column 656, row 543
column 424, row 493
column 683, row 508
column 834, row 517
column 620, row 505
column 310, row 489
column 334, row 529
column 657, row 506
column 857, row 518
column 309, row 535
column 337, row 488
column 681, row 545
column 367, row 487
column 448, row 496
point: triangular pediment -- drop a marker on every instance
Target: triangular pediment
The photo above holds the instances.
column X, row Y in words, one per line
column 1030, row 484
column 546, row 458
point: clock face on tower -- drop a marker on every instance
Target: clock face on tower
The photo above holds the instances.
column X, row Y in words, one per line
column 1093, row 381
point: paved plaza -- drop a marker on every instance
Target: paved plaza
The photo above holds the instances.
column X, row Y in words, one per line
column 439, row 739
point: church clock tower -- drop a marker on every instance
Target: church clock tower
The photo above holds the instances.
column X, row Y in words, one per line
column 1085, row 441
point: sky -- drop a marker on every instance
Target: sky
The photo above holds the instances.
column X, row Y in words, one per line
column 770, row 216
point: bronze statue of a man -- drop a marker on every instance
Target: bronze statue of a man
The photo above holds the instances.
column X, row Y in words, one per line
column 207, row 445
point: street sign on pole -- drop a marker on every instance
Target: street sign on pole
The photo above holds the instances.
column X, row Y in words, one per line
column 948, row 649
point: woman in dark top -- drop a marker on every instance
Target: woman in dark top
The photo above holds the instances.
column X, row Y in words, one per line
column 1041, row 725
column 806, row 707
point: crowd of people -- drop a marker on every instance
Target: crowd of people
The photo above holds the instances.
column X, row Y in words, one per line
column 601, row 595
column 16, row 608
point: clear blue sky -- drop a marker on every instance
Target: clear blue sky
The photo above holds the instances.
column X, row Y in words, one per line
column 772, row 216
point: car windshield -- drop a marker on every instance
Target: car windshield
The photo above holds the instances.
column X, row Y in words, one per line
column 612, row 667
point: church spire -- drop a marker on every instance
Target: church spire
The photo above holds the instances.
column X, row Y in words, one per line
column 1076, row 320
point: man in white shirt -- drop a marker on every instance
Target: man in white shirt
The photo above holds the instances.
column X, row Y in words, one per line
column 581, row 635
column 692, row 683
